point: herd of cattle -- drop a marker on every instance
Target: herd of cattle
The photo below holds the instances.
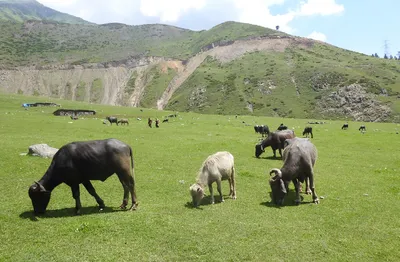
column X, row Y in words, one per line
column 80, row 162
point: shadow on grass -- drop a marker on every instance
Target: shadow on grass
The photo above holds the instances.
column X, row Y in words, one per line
column 68, row 212
column 270, row 158
column 289, row 200
column 206, row 201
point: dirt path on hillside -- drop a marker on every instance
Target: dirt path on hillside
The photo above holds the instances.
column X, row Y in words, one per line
column 226, row 54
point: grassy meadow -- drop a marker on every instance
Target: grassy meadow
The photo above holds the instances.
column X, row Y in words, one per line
column 357, row 178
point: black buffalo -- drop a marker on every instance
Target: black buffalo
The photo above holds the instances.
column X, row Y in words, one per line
column 345, row 126
column 282, row 127
column 307, row 131
column 112, row 119
column 362, row 128
column 275, row 140
column 262, row 129
column 78, row 163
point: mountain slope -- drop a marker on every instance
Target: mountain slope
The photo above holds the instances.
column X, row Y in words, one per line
column 233, row 68
column 23, row 10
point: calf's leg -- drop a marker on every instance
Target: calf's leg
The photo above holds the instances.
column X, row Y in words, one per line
column 220, row 190
column 211, row 193
column 89, row 187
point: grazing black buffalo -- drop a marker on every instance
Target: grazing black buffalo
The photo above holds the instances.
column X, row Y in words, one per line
column 262, row 129
column 275, row 140
column 307, row 131
column 78, row 163
column 112, row 119
column 362, row 128
column 282, row 127
column 165, row 120
column 345, row 126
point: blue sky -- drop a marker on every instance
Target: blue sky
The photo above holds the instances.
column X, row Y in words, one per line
column 359, row 25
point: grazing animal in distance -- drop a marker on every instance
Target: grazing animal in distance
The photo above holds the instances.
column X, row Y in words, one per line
column 217, row 167
column 165, row 120
column 78, row 163
column 308, row 131
column 123, row 121
column 262, row 129
column 112, row 119
column 150, row 122
column 345, row 126
column 275, row 140
column 157, row 123
column 282, row 127
column 362, row 128
column 299, row 158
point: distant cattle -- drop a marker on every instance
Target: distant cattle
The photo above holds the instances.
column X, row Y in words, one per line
column 112, row 119
column 123, row 121
column 157, row 123
column 345, row 126
column 362, row 128
column 262, row 129
column 165, row 120
column 308, row 131
column 282, row 127
column 150, row 122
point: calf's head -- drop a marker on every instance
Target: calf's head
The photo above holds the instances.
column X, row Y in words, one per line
column 40, row 197
column 278, row 187
column 197, row 193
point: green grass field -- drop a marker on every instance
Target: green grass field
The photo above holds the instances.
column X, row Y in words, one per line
column 356, row 174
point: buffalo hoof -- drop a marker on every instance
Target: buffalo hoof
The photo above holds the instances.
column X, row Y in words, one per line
column 316, row 201
column 78, row 212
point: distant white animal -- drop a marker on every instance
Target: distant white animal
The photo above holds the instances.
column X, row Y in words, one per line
column 217, row 167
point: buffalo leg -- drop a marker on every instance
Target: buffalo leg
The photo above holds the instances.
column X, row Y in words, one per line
column 220, row 190
column 89, row 187
column 128, row 184
column 76, row 196
column 297, row 186
column 308, row 190
column 211, row 193
column 314, row 194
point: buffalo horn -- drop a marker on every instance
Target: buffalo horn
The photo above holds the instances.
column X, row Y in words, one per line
column 276, row 171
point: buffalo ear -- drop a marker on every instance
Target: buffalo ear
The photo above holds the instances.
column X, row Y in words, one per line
column 283, row 187
column 41, row 187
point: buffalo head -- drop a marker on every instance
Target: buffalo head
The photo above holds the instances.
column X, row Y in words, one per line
column 40, row 197
column 197, row 193
column 259, row 150
column 278, row 187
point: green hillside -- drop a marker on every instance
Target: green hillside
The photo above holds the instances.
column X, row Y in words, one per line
column 23, row 10
column 249, row 69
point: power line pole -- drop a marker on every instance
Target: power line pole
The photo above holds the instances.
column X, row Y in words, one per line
column 386, row 48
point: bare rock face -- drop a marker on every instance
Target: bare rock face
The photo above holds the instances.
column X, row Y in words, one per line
column 354, row 101
column 42, row 150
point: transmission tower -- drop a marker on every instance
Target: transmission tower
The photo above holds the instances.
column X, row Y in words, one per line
column 386, row 48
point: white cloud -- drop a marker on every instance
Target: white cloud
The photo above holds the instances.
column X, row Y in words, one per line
column 319, row 7
column 258, row 12
column 317, row 36
column 171, row 10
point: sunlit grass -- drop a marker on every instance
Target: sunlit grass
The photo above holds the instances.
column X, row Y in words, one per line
column 356, row 174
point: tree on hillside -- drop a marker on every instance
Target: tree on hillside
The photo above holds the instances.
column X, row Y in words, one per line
column 385, row 56
column 390, row 57
column 277, row 27
column 376, row 55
